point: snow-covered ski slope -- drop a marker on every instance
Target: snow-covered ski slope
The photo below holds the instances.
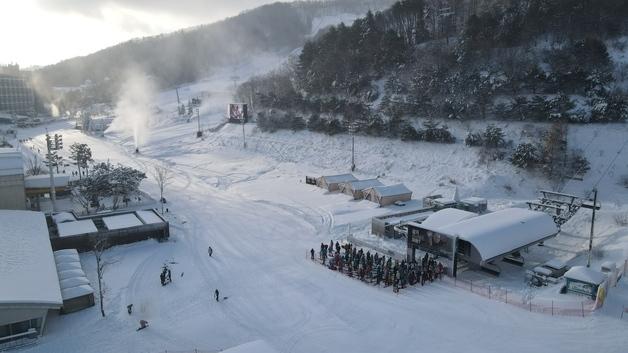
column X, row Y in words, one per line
column 254, row 209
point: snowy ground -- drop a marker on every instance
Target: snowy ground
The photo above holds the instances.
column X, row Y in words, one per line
column 253, row 207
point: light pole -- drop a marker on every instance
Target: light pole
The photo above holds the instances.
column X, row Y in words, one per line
column 199, row 133
column 592, row 227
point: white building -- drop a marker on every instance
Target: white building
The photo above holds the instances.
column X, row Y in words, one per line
column 28, row 276
column 12, row 195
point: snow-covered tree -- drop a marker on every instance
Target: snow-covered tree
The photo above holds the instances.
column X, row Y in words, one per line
column 81, row 154
column 525, row 156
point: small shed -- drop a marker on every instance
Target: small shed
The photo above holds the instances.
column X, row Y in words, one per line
column 356, row 188
column 332, row 182
column 582, row 280
column 387, row 195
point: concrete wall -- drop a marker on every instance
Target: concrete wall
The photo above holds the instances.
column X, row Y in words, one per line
column 12, row 195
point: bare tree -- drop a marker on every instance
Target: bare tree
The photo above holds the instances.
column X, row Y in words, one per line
column 34, row 166
column 163, row 177
column 100, row 244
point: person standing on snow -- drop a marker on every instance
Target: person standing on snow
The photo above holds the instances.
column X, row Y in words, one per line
column 210, row 251
column 217, row 295
column 312, row 253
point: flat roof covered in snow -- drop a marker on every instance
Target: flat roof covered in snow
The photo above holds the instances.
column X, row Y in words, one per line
column 68, row 229
column 11, row 162
column 122, row 221
column 28, row 273
column 500, row 232
column 149, row 217
column 43, row 181
column 584, row 274
column 391, row 190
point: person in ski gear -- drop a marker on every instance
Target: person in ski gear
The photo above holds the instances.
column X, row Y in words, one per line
column 217, row 295
column 168, row 275
column 143, row 325
column 312, row 253
column 129, row 308
column 162, row 277
column 210, row 251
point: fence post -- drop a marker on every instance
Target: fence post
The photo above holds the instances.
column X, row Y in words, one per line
column 582, row 305
column 552, row 308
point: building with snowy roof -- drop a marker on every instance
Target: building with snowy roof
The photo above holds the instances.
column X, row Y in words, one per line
column 76, row 291
column 28, row 276
column 37, row 185
column 388, row 195
column 356, row 188
column 70, row 231
column 333, row 182
column 479, row 241
column 585, row 281
column 12, row 196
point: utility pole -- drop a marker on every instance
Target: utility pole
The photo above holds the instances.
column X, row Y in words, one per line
column 243, row 135
column 178, row 100
column 592, row 227
column 52, row 147
column 199, row 133
column 352, row 130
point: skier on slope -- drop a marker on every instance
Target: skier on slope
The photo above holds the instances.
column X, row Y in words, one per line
column 210, row 251
column 312, row 253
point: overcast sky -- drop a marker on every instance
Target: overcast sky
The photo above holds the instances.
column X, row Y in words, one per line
column 41, row 32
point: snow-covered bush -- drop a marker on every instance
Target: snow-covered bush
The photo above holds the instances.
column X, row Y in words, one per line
column 621, row 219
column 493, row 137
column 409, row 133
column 525, row 156
column 474, row 139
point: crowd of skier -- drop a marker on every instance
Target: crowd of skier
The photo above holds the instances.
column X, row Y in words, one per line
column 376, row 269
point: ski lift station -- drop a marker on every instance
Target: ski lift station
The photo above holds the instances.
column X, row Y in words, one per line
column 469, row 240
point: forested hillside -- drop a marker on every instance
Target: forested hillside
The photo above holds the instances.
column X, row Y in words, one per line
column 190, row 54
column 528, row 60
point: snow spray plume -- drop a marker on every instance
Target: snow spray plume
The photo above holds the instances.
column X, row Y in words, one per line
column 133, row 109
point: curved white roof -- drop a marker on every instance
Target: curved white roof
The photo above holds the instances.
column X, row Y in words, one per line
column 446, row 217
column 75, row 292
column 70, row 274
column 66, row 252
column 67, row 258
column 73, row 282
column 500, row 232
column 65, row 266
